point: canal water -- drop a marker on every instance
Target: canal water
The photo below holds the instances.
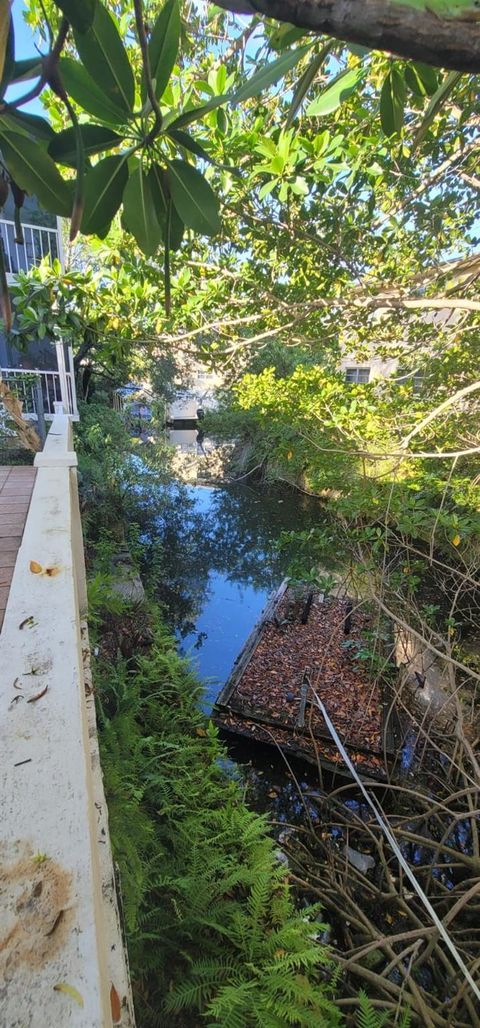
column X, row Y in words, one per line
column 221, row 557
column 213, row 556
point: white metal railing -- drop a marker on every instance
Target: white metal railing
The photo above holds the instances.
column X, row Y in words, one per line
column 39, row 242
column 23, row 383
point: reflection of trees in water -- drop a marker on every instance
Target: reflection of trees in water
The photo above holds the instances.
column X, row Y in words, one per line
column 234, row 531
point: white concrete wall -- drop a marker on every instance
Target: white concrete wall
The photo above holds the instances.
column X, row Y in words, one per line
column 60, row 945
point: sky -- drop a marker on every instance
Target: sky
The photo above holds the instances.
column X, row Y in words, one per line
column 24, row 47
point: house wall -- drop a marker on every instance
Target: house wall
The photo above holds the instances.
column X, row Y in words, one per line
column 200, row 393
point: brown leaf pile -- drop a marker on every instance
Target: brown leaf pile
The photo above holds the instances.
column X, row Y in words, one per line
column 270, row 686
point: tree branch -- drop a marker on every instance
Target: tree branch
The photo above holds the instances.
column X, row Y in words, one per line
column 398, row 27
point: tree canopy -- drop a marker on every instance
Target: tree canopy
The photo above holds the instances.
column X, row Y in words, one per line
column 129, row 88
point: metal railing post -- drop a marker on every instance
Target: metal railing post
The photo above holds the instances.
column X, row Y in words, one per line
column 40, row 409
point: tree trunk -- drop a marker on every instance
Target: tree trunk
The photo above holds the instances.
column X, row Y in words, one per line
column 447, row 39
column 27, row 436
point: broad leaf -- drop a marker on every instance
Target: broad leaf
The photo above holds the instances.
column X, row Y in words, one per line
column 84, row 90
column 196, row 113
column 161, row 196
column 337, row 91
column 269, row 74
column 163, row 46
column 392, row 102
column 29, row 68
column 28, row 125
column 304, row 83
column 140, row 212
column 79, row 13
column 96, row 139
column 104, row 185
column 285, row 35
column 421, row 79
column 191, row 144
column 103, row 54
column 35, row 172
column 436, row 103
column 193, row 198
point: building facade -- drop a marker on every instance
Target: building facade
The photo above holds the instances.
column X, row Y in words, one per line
column 41, row 375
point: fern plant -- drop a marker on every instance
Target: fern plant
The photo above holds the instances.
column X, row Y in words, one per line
column 212, row 927
column 369, row 1017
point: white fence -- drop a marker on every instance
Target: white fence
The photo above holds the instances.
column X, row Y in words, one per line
column 39, row 242
column 23, row 383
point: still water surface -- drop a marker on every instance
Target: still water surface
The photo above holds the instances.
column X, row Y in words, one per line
column 220, row 562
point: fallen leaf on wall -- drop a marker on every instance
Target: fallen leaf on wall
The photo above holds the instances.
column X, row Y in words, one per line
column 38, row 695
column 115, row 1005
column 69, row 990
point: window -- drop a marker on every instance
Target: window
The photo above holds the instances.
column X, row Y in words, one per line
column 357, row 376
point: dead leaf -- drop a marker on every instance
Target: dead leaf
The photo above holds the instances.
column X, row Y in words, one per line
column 55, row 923
column 201, row 732
column 115, row 1005
column 38, row 695
column 69, row 990
column 38, row 569
column 28, row 622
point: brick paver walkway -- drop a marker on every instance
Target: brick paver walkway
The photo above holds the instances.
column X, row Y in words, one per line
column 16, row 485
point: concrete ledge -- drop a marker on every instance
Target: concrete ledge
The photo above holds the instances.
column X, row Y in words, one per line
column 61, row 949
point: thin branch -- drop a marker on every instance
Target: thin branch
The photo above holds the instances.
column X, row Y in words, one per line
column 142, row 38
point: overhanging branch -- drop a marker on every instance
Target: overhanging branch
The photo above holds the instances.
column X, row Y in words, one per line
column 413, row 32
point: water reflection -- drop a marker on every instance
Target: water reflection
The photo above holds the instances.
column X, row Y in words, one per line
column 218, row 559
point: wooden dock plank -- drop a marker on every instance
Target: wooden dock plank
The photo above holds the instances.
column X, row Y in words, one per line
column 16, row 487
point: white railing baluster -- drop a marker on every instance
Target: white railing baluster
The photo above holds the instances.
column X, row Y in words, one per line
column 18, row 379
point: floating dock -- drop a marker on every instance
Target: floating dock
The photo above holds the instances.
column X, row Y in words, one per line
column 305, row 647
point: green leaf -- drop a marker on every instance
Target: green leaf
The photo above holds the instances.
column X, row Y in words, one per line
column 269, row 74
column 35, row 172
column 187, row 117
column 436, row 103
column 139, row 212
column 27, row 124
column 304, row 83
column 161, row 197
column 29, row 68
column 267, row 188
column 79, row 13
column 103, row 54
column 191, row 144
column 104, row 186
column 392, row 102
column 96, row 138
column 84, row 90
column 163, row 46
column 193, row 198
column 285, row 35
column 337, row 91
column 421, row 79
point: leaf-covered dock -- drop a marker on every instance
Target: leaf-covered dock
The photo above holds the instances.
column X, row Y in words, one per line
column 306, row 648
